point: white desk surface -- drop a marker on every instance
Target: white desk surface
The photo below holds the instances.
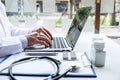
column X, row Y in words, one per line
column 111, row 70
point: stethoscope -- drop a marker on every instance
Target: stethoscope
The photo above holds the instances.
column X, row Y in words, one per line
column 53, row 76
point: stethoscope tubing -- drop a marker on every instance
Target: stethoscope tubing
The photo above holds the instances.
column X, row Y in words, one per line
column 24, row 60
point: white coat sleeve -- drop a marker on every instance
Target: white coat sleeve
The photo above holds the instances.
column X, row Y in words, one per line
column 10, row 45
column 15, row 31
column 20, row 33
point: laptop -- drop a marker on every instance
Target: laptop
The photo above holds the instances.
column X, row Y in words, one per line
column 61, row 44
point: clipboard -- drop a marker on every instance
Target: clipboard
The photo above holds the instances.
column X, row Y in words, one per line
column 9, row 59
column 3, row 59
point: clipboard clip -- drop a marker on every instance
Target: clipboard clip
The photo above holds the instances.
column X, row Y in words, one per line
column 86, row 60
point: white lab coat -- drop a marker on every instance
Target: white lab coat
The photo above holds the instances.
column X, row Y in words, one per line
column 12, row 39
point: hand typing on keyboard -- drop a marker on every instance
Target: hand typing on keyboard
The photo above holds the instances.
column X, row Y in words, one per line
column 40, row 36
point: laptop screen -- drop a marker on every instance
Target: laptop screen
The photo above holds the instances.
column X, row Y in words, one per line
column 78, row 24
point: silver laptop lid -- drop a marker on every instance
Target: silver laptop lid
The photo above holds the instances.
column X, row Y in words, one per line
column 77, row 25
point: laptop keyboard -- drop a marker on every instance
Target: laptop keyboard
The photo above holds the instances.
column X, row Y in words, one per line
column 58, row 42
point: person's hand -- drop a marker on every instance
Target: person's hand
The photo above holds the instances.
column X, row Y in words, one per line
column 43, row 31
column 37, row 38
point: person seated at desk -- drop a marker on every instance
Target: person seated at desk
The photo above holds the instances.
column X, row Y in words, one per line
column 13, row 40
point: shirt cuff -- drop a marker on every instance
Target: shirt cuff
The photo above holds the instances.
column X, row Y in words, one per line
column 24, row 41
